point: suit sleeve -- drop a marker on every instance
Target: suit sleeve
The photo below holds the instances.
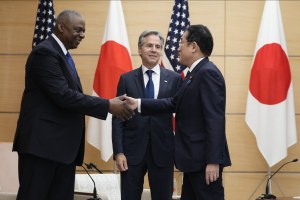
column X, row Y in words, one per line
column 117, row 124
column 158, row 106
column 48, row 70
column 213, row 100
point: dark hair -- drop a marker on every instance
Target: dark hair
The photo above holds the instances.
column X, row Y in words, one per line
column 202, row 36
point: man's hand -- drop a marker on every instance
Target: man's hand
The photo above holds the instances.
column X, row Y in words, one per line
column 119, row 108
column 131, row 103
column 121, row 162
column 211, row 173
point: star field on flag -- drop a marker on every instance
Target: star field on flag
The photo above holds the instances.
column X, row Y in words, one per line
column 45, row 22
column 179, row 22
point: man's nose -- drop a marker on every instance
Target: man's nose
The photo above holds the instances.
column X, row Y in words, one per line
column 82, row 35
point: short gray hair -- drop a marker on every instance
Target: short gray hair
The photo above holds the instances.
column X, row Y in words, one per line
column 147, row 33
column 66, row 15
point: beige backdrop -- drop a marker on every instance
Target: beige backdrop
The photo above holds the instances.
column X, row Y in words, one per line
column 234, row 25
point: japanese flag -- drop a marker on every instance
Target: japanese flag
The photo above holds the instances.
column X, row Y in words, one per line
column 114, row 60
column 270, row 106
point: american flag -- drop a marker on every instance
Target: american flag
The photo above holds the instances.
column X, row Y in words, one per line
column 179, row 22
column 45, row 22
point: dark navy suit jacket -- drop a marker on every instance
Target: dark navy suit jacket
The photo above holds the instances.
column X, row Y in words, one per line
column 200, row 118
column 132, row 137
column 51, row 123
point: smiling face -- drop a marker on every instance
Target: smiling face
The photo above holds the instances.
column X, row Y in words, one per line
column 71, row 30
column 150, row 51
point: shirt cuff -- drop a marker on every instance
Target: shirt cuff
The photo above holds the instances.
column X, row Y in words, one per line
column 139, row 105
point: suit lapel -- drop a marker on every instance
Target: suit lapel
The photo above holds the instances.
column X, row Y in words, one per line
column 75, row 77
column 188, row 80
column 198, row 66
column 70, row 76
column 163, row 83
column 79, row 84
column 139, row 80
column 180, row 92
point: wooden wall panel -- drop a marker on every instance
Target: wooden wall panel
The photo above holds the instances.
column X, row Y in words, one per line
column 237, row 76
column 293, row 151
column 242, row 25
column 244, row 151
column 8, row 126
column 242, row 146
column 12, row 74
column 17, row 26
column 136, row 61
column 95, row 13
column 295, row 70
column 248, row 186
column 86, row 66
column 210, row 14
column 219, row 62
column 286, row 184
column 140, row 13
column 290, row 17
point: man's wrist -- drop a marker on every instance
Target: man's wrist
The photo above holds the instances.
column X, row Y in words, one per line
column 139, row 105
column 115, row 155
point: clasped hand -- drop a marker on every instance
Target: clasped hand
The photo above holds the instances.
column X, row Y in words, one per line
column 123, row 107
column 131, row 102
column 118, row 108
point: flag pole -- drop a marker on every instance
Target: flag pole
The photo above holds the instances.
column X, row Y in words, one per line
column 266, row 177
column 269, row 182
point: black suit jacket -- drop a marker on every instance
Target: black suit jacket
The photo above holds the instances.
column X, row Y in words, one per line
column 199, row 105
column 133, row 136
column 51, row 123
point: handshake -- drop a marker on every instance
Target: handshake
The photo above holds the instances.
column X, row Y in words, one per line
column 123, row 107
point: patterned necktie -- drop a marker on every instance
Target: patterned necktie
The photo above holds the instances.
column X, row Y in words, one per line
column 187, row 74
column 71, row 62
column 150, row 86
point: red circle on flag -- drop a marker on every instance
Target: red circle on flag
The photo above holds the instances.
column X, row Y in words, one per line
column 270, row 75
column 114, row 60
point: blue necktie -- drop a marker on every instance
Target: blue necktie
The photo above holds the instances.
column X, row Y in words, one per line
column 150, row 86
column 71, row 62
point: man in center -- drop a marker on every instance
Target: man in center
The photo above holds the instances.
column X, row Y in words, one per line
column 146, row 143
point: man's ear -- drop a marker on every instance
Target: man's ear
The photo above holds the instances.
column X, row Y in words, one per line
column 60, row 28
column 195, row 46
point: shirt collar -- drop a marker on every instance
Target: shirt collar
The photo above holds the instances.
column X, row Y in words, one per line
column 195, row 64
column 156, row 69
column 62, row 46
